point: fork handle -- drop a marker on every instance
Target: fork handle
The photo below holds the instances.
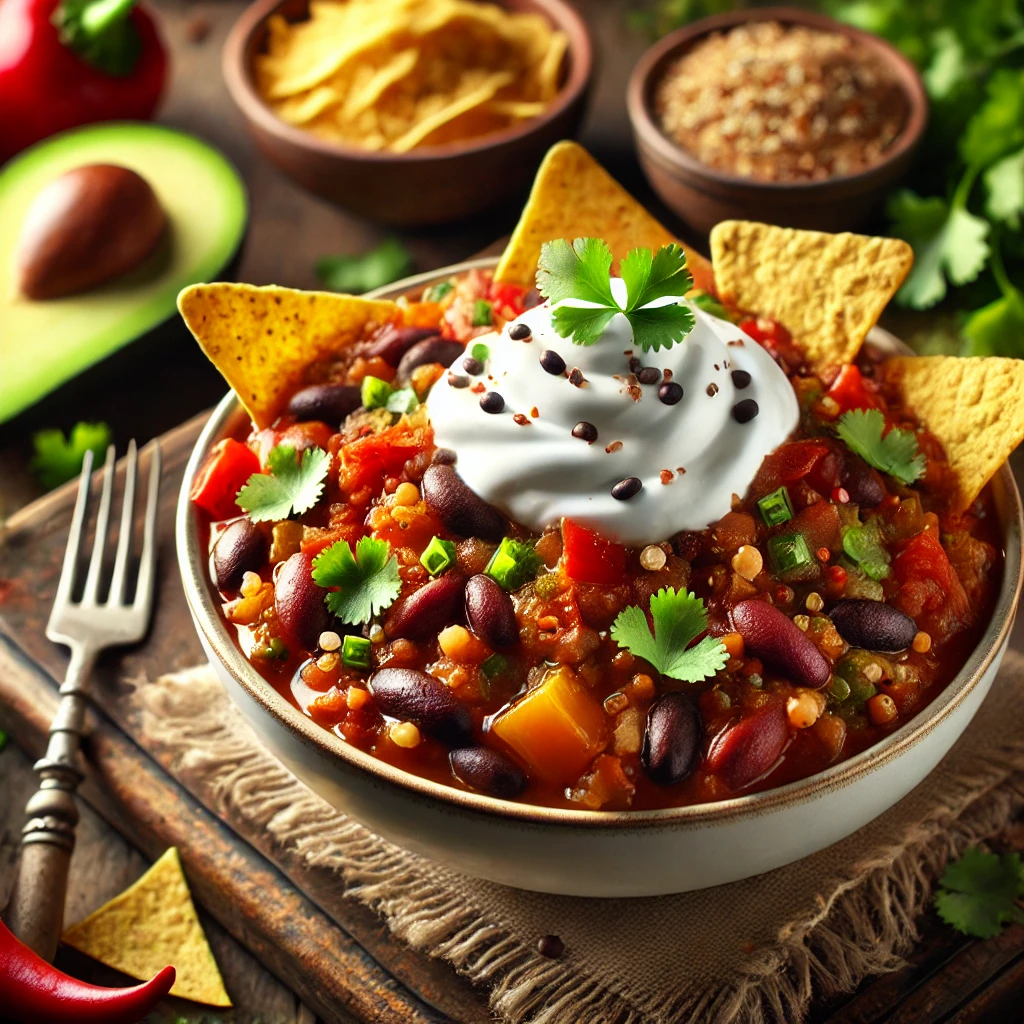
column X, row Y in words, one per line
column 35, row 913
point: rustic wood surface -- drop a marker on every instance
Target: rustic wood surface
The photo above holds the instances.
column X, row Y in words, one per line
column 282, row 958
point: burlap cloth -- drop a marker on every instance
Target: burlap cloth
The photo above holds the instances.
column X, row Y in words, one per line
column 753, row 951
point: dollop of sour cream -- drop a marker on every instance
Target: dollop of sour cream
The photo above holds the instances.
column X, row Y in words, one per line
column 690, row 456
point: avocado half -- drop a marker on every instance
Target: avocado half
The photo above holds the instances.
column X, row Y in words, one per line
column 45, row 343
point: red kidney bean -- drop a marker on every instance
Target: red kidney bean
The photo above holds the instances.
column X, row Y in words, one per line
column 672, row 738
column 329, row 403
column 428, row 610
column 299, row 602
column 873, row 625
column 488, row 771
column 431, row 350
column 745, row 751
column 241, row 548
column 490, row 611
column 393, row 342
column 863, row 484
column 772, row 636
column 462, row 510
column 413, row 696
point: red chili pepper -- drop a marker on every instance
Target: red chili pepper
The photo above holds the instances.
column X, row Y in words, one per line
column 589, row 558
column 225, row 471
column 69, row 62
column 31, row 990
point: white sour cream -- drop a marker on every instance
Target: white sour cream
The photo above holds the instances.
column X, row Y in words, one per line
column 538, row 472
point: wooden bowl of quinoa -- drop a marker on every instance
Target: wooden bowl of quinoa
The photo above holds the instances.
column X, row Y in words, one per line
column 778, row 115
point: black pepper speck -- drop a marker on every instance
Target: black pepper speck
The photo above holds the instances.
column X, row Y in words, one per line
column 670, row 392
column 744, row 411
column 626, row 489
column 492, row 402
column 741, row 379
column 519, row 332
column 552, row 362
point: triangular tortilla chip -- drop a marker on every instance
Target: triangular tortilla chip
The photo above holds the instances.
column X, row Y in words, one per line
column 153, row 923
column 973, row 405
column 828, row 291
column 263, row 339
column 573, row 196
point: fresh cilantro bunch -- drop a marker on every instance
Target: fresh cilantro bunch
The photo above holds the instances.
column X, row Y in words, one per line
column 981, row 892
column 58, row 459
column 582, row 272
column 679, row 618
column 367, row 582
column 895, row 453
column 292, row 486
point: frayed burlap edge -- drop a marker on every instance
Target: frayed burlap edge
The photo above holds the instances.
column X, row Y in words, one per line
column 830, row 951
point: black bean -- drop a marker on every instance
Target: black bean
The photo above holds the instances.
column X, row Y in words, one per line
column 740, row 379
column 487, row 771
column 444, row 457
column 490, row 611
column 330, row 403
column 550, row 946
column 585, row 431
column 492, row 402
column 413, row 696
column 744, row 410
column 873, row 625
column 474, row 367
column 432, row 350
column 626, row 489
column 670, row 392
column 393, row 342
column 649, row 375
column 863, row 483
column 634, row 364
column 457, row 381
column 552, row 362
column 241, row 548
column 519, row 332
column 461, row 510
column 672, row 738
column 428, row 610
column 299, row 602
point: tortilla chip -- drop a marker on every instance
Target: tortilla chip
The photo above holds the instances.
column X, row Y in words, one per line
column 828, row 291
column 153, row 923
column 263, row 339
column 971, row 404
column 573, row 196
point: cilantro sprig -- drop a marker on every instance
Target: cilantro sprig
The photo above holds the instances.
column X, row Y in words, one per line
column 981, row 892
column 367, row 582
column 679, row 618
column 581, row 273
column 895, row 453
column 292, row 486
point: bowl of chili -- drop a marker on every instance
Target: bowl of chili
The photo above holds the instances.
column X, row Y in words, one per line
column 693, row 837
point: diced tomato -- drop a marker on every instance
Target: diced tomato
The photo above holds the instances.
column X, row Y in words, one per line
column 588, row 558
column 788, row 464
column 366, row 461
column 225, row 471
column 824, row 475
column 507, row 299
column 930, row 590
column 775, row 339
column 850, row 392
column 820, row 525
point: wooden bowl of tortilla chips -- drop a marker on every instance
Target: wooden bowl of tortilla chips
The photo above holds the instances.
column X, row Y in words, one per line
column 366, row 137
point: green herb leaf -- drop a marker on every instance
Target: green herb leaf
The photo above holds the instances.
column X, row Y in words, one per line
column 584, row 324
column 997, row 126
column 293, row 485
column 654, row 277
column 578, row 271
column 948, row 66
column 947, row 242
column 402, row 401
column 481, row 313
column 660, row 326
column 1004, row 182
column 895, row 453
column 979, row 892
column 707, row 302
column 679, row 617
column 58, row 459
column 367, row 582
column 374, row 269
column 514, row 563
column 997, row 329
column 3, row 739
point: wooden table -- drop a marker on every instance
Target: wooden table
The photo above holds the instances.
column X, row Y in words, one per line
column 949, row 978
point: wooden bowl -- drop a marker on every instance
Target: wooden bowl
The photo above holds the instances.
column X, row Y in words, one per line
column 702, row 195
column 430, row 185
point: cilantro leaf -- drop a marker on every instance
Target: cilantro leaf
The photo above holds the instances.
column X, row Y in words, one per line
column 649, row 277
column 947, row 242
column 998, row 328
column 997, row 126
column 584, row 324
column 895, row 453
column 1004, row 182
column 293, row 485
column 3, row 739
column 58, row 459
column 678, row 617
column 367, row 582
column 578, row 271
column 979, row 892
column 373, row 269
column 948, row 65
column 660, row 326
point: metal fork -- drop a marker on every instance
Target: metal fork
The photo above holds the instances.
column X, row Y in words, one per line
column 35, row 912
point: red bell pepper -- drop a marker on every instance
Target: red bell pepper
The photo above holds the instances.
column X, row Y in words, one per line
column 225, row 471
column 588, row 558
column 69, row 62
column 33, row 991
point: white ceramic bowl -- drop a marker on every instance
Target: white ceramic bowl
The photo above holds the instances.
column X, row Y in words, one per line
column 583, row 853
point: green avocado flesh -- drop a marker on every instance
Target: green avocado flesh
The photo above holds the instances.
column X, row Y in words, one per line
column 43, row 344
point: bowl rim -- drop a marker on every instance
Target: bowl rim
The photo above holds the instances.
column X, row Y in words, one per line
column 194, row 567
column 659, row 146
column 237, row 74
